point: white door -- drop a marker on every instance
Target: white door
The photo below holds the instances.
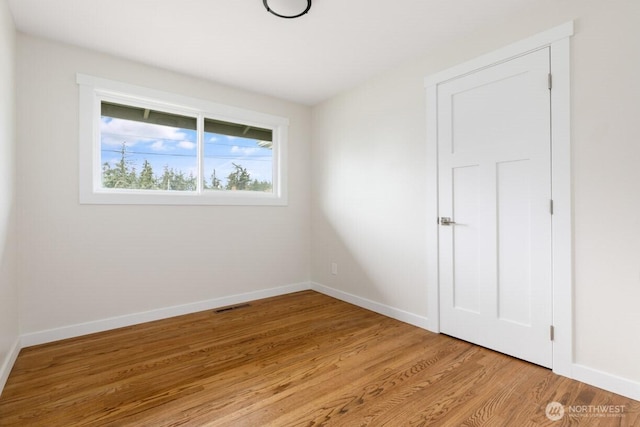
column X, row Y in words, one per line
column 494, row 160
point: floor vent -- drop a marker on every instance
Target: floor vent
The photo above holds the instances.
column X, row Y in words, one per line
column 232, row 307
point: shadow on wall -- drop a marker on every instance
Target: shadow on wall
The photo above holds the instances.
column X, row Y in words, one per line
column 9, row 329
column 377, row 256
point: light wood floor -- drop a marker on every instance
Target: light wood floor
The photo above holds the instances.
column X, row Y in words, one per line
column 303, row 359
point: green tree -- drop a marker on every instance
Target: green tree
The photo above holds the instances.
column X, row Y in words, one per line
column 238, row 179
column 146, row 181
column 108, row 175
column 121, row 175
column 165, row 181
column 189, row 183
column 216, row 184
column 132, row 178
column 264, row 186
column 176, row 181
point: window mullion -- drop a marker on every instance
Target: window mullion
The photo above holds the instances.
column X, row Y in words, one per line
column 200, row 141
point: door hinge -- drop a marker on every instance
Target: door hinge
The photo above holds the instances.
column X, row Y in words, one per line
column 552, row 333
column 550, row 81
column 551, row 206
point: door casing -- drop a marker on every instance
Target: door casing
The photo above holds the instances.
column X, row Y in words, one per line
column 558, row 40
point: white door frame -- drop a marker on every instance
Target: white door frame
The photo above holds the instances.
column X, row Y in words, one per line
column 558, row 40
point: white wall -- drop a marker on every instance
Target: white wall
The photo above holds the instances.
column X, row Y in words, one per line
column 84, row 263
column 369, row 172
column 9, row 330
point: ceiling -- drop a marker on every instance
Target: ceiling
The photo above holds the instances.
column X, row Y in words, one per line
column 337, row 45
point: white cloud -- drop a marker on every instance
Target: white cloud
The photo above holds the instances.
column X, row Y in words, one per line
column 159, row 146
column 247, row 151
column 187, row 145
column 116, row 131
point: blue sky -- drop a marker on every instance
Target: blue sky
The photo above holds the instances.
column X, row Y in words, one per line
column 177, row 148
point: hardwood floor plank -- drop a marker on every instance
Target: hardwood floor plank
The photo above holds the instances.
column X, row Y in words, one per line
column 302, row 359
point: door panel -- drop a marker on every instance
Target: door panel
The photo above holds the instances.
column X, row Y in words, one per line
column 465, row 244
column 514, row 247
column 495, row 183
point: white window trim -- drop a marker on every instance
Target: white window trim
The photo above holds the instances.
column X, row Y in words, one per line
column 94, row 89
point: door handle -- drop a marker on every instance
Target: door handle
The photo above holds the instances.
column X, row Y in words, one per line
column 445, row 220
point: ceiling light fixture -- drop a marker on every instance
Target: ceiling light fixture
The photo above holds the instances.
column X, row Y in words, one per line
column 288, row 9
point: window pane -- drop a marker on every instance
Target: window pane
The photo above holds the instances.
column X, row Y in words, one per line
column 144, row 149
column 237, row 157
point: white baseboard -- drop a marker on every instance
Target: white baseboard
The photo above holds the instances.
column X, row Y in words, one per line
column 603, row 380
column 612, row 383
column 622, row 386
column 8, row 362
column 394, row 313
column 71, row 331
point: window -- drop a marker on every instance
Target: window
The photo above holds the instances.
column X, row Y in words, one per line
column 141, row 146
